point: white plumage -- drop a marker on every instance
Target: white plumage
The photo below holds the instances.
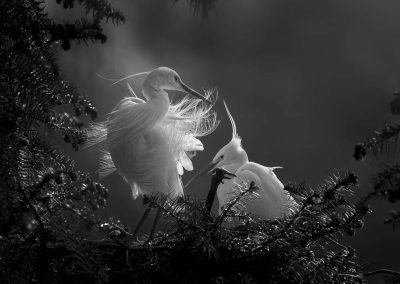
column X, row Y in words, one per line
column 150, row 142
column 272, row 201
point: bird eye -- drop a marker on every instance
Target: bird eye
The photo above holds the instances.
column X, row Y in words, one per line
column 221, row 157
column 176, row 78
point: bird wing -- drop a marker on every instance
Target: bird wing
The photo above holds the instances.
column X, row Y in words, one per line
column 129, row 120
column 189, row 147
column 271, row 201
column 191, row 143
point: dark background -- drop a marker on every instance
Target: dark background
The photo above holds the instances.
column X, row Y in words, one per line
column 304, row 80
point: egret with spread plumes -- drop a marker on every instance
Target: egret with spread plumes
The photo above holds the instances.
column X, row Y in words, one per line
column 150, row 143
column 272, row 200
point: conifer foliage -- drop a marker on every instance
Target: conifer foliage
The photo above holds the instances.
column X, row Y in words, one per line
column 44, row 199
column 49, row 230
column 384, row 142
column 386, row 183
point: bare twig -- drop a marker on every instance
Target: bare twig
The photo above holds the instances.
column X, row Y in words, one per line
column 382, row 271
column 336, row 243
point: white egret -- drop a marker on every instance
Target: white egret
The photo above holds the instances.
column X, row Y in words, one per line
column 272, row 200
column 150, row 142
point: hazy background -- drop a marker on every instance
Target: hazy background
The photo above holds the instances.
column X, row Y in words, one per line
column 304, row 80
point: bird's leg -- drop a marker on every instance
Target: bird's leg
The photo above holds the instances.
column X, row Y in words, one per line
column 153, row 228
column 144, row 217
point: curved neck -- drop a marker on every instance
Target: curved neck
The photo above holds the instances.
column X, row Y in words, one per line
column 155, row 95
column 240, row 160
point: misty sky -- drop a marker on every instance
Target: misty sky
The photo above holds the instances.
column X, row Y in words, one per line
column 304, row 80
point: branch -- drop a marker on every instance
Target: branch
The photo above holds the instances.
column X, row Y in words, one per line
column 382, row 271
column 251, row 189
column 32, row 208
column 173, row 215
column 295, row 217
column 384, row 139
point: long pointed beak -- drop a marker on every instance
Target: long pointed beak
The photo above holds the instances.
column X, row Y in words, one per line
column 207, row 169
column 194, row 93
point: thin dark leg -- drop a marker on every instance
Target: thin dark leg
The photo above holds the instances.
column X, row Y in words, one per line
column 153, row 228
column 144, row 217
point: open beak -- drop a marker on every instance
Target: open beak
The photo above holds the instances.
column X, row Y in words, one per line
column 207, row 169
column 194, row 93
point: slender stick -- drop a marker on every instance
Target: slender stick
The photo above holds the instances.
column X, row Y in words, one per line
column 32, row 208
column 144, row 217
column 383, row 271
column 336, row 243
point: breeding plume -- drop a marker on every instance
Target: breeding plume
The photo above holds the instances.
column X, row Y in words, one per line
column 150, row 142
column 272, row 200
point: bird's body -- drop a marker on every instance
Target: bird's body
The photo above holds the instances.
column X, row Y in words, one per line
column 271, row 202
column 147, row 141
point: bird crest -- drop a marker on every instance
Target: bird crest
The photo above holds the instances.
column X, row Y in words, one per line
column 235, row 137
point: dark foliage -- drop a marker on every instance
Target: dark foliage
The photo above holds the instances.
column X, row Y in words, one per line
column 385, row 139
column 49, row 230
column 100, row 9
column 386, row 183
column 44, row 200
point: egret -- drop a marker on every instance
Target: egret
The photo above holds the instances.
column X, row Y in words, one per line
column 272, row 200
column 150, row 143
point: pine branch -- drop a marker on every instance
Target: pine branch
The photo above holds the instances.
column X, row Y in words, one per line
column 81, row 30
column 387, row 183
column 170, row 208
column 99, row 8
column 394, row 219
column 385, row 139
column 233, row 202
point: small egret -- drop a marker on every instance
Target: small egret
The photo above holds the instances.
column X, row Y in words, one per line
column 272, row 200
column 150, row 143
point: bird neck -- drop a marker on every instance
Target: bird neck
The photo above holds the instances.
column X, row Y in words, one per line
column 240, row 159
column 156, row 95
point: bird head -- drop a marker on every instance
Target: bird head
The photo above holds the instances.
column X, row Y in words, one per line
column 232, row 155
column 164, row 78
